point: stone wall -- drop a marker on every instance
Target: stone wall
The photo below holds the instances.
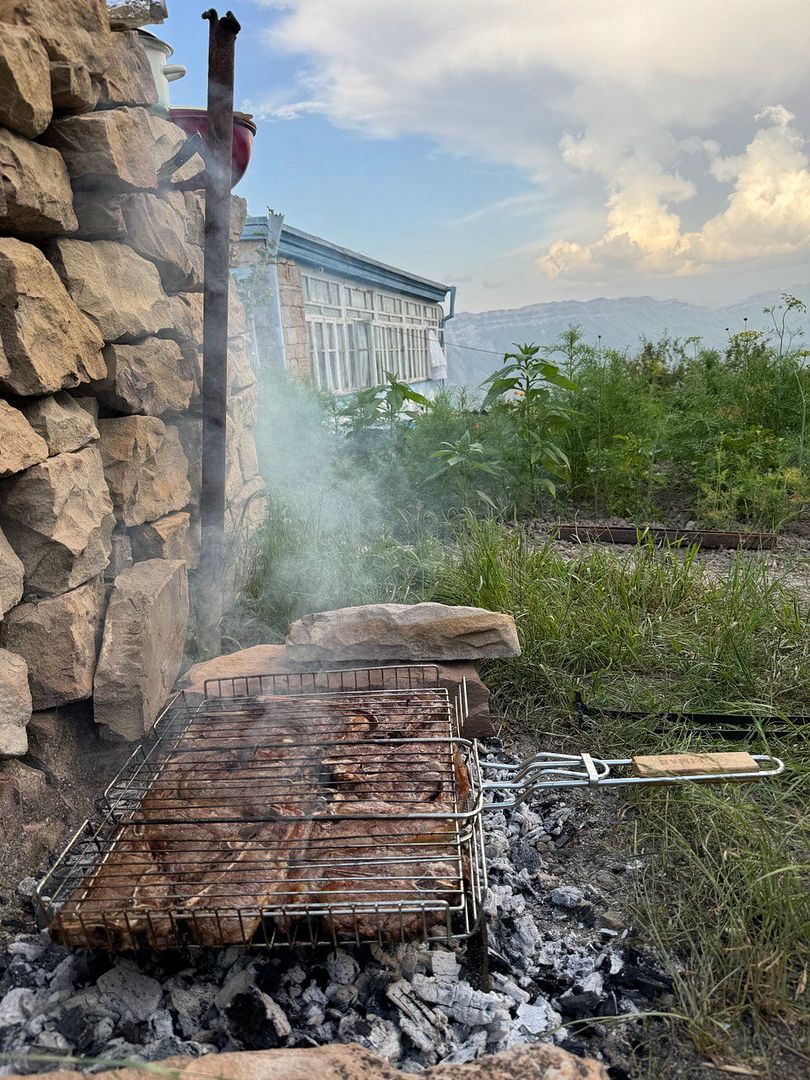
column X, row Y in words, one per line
column 293, row 319
column 101, row 257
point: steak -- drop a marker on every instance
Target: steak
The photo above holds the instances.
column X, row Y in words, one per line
column 287, row 807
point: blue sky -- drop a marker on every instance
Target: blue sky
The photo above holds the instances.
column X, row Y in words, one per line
column 530, row 150
column 399, row 200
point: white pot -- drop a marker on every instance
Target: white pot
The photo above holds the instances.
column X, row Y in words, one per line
column 159, row 52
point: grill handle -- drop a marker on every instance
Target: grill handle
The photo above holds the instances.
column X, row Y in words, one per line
column 547, row 770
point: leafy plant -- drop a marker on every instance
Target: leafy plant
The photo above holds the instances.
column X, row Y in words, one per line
column 525, row 384
column 386, row 402
column 463, row 462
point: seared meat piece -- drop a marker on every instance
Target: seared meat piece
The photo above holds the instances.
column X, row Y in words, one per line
column 121, row 904
column 366, row 871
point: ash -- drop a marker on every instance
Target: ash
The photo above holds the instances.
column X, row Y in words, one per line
column 561, row 960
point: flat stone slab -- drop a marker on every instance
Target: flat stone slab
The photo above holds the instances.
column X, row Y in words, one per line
column 349, row 1061
column 275, row 660
column 422, row 632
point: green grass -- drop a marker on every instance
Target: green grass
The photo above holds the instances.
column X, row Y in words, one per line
column 726, row 893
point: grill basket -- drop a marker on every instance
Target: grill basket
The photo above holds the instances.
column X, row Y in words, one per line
column 316, row 808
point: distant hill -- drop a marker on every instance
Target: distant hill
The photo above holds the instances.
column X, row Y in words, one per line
column 622, row 323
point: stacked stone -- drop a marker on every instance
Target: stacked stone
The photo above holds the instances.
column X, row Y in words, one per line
column 293, row 319
column 101, row 254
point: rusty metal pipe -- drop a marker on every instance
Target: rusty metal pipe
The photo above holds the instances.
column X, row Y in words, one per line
column 218, row 143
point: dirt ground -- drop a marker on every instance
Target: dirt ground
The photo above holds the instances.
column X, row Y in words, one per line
column 789, row 560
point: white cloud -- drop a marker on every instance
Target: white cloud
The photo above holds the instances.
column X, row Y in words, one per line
column 767, row 214
column 640, row 96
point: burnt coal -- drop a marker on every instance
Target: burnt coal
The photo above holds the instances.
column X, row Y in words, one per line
column 558, row 954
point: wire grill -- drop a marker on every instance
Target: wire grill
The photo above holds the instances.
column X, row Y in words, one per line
column 329, row 807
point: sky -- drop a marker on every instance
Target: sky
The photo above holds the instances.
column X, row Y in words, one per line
column 531, row 150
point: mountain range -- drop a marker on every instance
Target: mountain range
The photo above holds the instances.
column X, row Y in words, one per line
column 477, row 340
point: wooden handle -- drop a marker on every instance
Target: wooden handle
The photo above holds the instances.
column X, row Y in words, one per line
column 663, row 766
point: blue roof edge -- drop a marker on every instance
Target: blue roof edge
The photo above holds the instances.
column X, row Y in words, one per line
column 301, row 247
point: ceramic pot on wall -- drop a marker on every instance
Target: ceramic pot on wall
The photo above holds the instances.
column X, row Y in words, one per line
column 159, row 53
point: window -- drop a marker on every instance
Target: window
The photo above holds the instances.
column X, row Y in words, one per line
column 357, row 334
column 361, row 368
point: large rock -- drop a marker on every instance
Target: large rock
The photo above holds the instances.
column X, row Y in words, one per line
column 72, row 89
column 61, row 421
column 145, row 467
column 167, row 228
column 410, row 631
column 12, row 576
column 115, row 149
column 20, row 445
column 167, row 538
column 58, row 517
column 150, row 377
column 189, row 430
column 240, row 372
column 25, row 82
column 127, row 77
column 130, row 14
column 99, row 218
column 117, row 289
column 76, row 31
column 241, row 459
column 39, row 199
column 58, row 638
column 275, row 660
column 187, row 318
column 243, row 407
column 144, row 636
column 15, row 705
column 349, row 1061
column 121, row 554
column 47, row 342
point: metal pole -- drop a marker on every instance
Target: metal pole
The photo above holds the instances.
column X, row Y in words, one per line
column 218, row 143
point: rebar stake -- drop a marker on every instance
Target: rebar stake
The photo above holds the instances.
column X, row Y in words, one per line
column 218, row 151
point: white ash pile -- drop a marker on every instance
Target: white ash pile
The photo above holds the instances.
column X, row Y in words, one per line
column 558, row 956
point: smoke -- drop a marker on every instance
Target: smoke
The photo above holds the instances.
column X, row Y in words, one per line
column 325, row 535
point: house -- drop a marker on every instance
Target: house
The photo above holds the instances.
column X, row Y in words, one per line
column 335, row 317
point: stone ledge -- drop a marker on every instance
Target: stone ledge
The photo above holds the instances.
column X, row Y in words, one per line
column 349, row 1061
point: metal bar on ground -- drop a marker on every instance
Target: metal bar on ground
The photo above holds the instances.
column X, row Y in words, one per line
column 218, row 150
column 632, row 534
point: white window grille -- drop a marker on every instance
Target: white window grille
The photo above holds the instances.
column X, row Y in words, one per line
column 356, row 334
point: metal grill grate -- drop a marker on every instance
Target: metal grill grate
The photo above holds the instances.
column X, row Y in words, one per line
column 284, row 809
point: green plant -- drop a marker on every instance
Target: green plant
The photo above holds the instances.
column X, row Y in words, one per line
column 463, row 462
column 745, row 478
column 525, row 384
column 383, row 403
column 779, row 314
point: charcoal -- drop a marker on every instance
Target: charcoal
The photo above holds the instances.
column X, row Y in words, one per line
column 537, row 1018
column 558, row 949
column 584, row 998
column 15, row 1008
column 342, row 967
column 256, row 1021
column 567, row 896
column 136, row 993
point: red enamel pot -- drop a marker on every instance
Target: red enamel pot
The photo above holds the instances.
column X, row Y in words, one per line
column 196, row 120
